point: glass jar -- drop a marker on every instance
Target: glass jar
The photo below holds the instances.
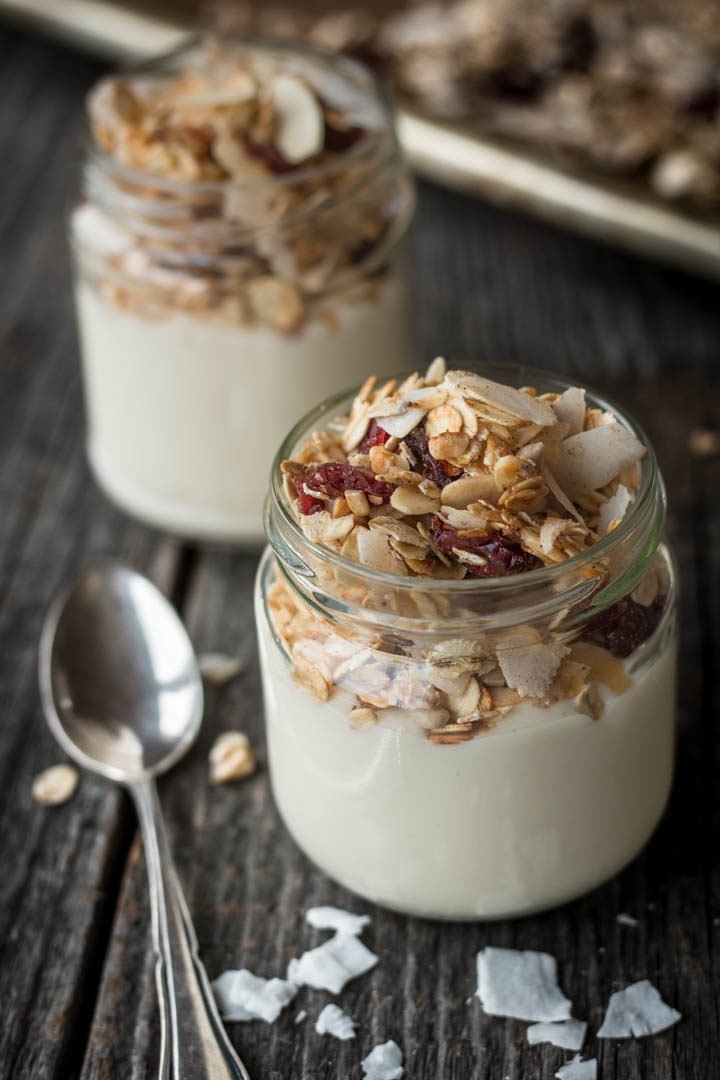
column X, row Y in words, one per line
column 532, row 801
column 212, row 311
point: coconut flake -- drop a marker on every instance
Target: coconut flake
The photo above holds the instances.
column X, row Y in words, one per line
column 373, row 547
column 218, row 668
column 243, row 996
column 520, row 984
column 577, row 1069
column 568, row 1034
column 402, row 423
column 550, row 529
column 593, row 458
column 559, row 494
column 300, row 125
column 507, row 398
column 332, row 918
column 637, row 1010
column 384, row 1062
column 569, row 408
column 333, row 1021
column 299, row 1017
column 528, row 664
column 613, row 510
column 333, row 964
column 626, row 920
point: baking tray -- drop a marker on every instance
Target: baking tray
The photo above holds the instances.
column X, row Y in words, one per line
column 452, row 156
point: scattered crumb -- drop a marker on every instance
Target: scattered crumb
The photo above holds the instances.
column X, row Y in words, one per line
column 568, row 1034
column 333, row 964
column 520, row 984
column 231, row 758
column 55, row 785
column 637, row 1010
column 577, row 1069
column 627, row 920
column 704, row 442
column 218, row 668
column 300, row 1016
column 384, row 1062
column 243, row 996
column 332, row 918
column 333, row 1021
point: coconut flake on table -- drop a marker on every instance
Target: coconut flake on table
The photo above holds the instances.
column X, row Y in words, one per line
column 300, row 130
column 243, row 996
column 333, row 964
column 636, row 1011
column 384, row 1062
column 332, row 918
column 333, row 1021
column 577, row 1069
column 218, row 668
column 521, row 984
column 569, row 407
column 613, row 510
column 299, row 1017
column 528, row 664
column 567, row 1034
column 593, row 458
column 626, row 920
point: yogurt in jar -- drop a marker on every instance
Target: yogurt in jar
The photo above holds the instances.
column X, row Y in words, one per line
column 238, row 252
column 467, row 642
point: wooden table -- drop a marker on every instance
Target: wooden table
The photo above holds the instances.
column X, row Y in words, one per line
column 77, row 996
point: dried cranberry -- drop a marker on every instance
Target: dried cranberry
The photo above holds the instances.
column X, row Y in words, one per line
column 340, row 139
column 334, row 479
column 269, row 156
column 501, row 556
column 306, row 503
column 624, row 626
column 374, row 436
column 441, row 472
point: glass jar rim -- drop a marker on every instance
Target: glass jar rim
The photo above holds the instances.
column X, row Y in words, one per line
column 647, row 507
column 363, row 149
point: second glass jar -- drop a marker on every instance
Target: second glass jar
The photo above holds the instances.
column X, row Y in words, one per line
column 212, row 311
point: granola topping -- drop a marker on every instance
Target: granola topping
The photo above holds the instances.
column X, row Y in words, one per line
column 471, row 479
column 246, row 184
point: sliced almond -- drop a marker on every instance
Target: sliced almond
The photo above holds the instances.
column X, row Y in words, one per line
column 408, row 500
column 469, row 489
column 604, row 667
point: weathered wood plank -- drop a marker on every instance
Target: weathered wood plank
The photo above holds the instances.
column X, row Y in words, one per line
column 491, row 286
column 61, row 867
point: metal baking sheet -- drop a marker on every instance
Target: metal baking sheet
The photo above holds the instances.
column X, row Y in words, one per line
column 451, row 156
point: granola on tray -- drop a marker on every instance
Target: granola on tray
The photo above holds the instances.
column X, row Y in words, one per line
column 453, row 476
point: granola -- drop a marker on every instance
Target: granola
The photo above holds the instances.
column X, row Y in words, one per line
column 628, row 89
column 452, row 476
column 245, row 184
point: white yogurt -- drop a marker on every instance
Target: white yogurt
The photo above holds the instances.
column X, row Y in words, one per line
column 542, row 808
column 185, row 414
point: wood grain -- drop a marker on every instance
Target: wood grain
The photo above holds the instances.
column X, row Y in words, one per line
column 74, row 945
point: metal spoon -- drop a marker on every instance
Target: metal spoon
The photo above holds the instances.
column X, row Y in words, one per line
column 122, row 694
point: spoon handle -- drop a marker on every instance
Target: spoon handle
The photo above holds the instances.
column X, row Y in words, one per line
column 194, row 1045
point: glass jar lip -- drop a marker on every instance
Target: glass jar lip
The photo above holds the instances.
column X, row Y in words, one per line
column 650, row 484
column 282, row 46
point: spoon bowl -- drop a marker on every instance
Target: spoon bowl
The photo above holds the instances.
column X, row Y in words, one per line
column 119, row 680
